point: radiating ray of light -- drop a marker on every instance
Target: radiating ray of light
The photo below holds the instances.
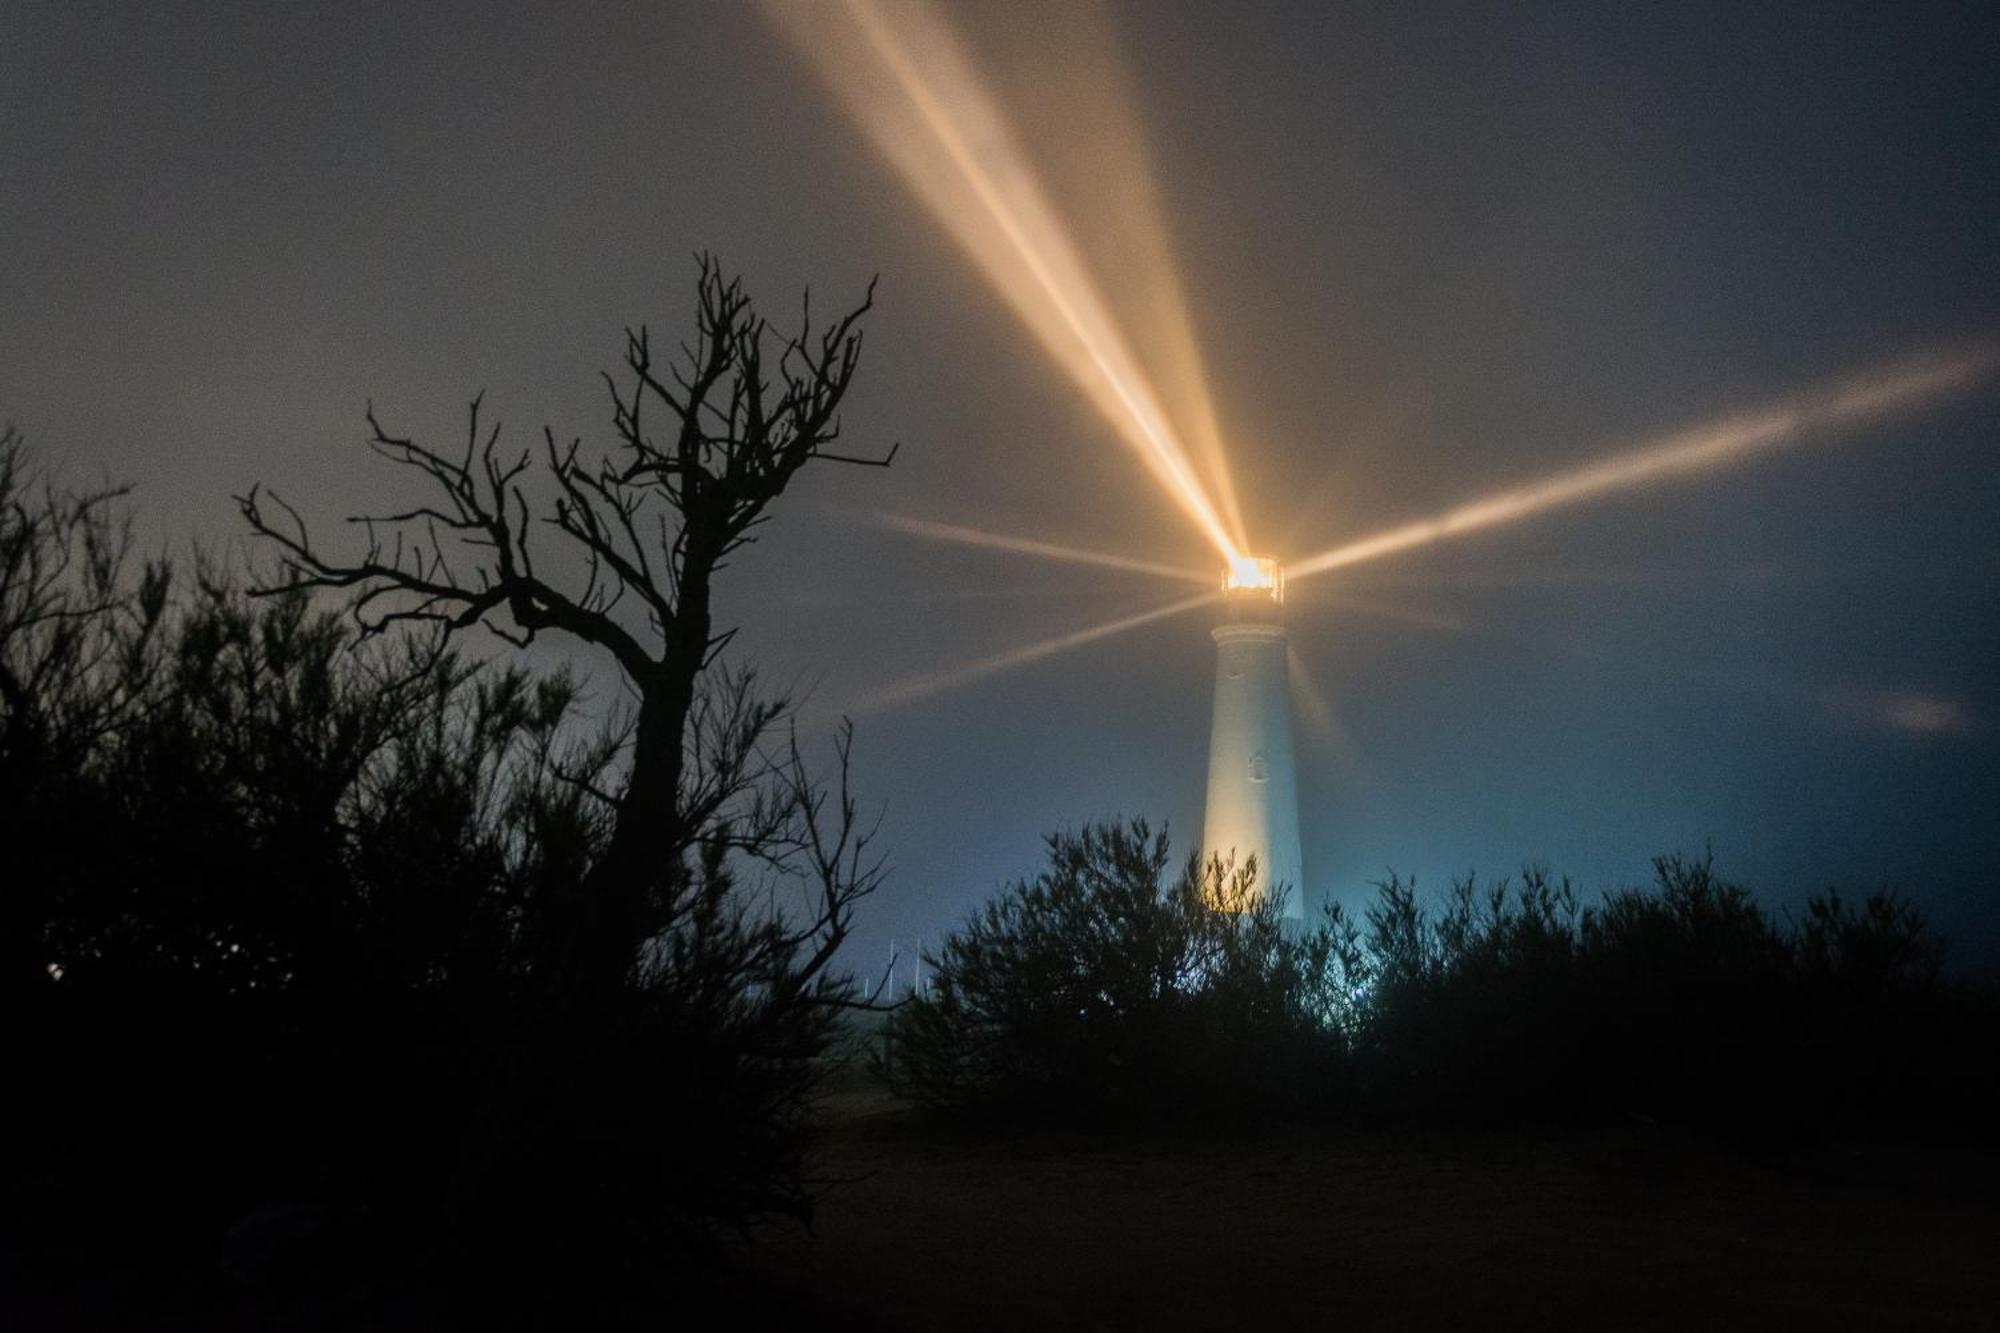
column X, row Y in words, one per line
column 1408, row 615
column 1923, row 714
column 923, row 686
column 1317, row 712
column 1913, row 712
column 1877, row 393
column 1101, row 164
column 870, row 596
column 963, row 536
column 1787, row 573
column 908, row 82
column 1595, row 576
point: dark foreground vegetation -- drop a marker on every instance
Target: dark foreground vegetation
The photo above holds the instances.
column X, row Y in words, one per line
column 1106, row 988
column 1115, row 1108
column 350, row 981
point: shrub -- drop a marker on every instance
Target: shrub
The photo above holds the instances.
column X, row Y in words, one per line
column 1468, row 1013
column 1102, row 986
column 283, row 906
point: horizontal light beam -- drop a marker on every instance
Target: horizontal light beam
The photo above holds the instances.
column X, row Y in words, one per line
column 1877, row 393
column 921, row 687
column 963, row 536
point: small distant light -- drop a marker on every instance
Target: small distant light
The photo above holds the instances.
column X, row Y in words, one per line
column 1255, row 573
column 55, row 972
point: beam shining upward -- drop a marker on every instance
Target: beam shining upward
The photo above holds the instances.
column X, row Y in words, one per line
column 1878, row 393
column 923, row 686
column 1118, row 210
column 952, row 532
column 906, row 80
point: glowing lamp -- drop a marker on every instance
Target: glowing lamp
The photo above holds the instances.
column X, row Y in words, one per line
column 1255, row 574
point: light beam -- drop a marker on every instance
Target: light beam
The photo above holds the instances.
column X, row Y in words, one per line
column 1100, row 163
column 1322, row 720
column 923, row 686
column 910, row 85
column 1877, row 393
column 1407, row 615
column 963, row 536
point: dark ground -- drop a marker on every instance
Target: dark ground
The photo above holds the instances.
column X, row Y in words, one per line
column 1304, row 1228
column 1271, row 1227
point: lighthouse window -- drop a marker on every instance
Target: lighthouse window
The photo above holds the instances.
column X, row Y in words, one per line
column 1232, row 665
column 1259, row 771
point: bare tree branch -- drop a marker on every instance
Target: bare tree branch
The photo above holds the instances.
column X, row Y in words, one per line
column 703, row 446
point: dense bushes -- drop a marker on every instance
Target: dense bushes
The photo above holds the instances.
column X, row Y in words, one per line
column 330, row 942
column 1098, row 985
column 283, row 910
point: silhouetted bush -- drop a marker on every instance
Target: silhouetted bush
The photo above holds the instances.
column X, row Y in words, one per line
column 1475, row 1002
column 316, row 983
column 278, row 917
column 1101, row 985
column 1105, row 986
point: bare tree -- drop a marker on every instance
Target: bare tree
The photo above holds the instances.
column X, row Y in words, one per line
column 68, row 612
column 704, row 445
column 78, row 644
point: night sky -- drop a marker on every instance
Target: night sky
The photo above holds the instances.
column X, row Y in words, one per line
column 1429, row 250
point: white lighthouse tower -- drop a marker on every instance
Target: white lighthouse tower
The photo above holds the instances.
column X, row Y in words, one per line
column 1253, row 794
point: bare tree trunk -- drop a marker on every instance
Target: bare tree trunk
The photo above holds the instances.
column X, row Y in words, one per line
column 653, row 518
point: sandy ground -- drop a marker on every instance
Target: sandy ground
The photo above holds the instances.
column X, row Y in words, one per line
column 1302, row 1228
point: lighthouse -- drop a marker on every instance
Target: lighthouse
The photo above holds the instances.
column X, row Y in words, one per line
column 1253, row 794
